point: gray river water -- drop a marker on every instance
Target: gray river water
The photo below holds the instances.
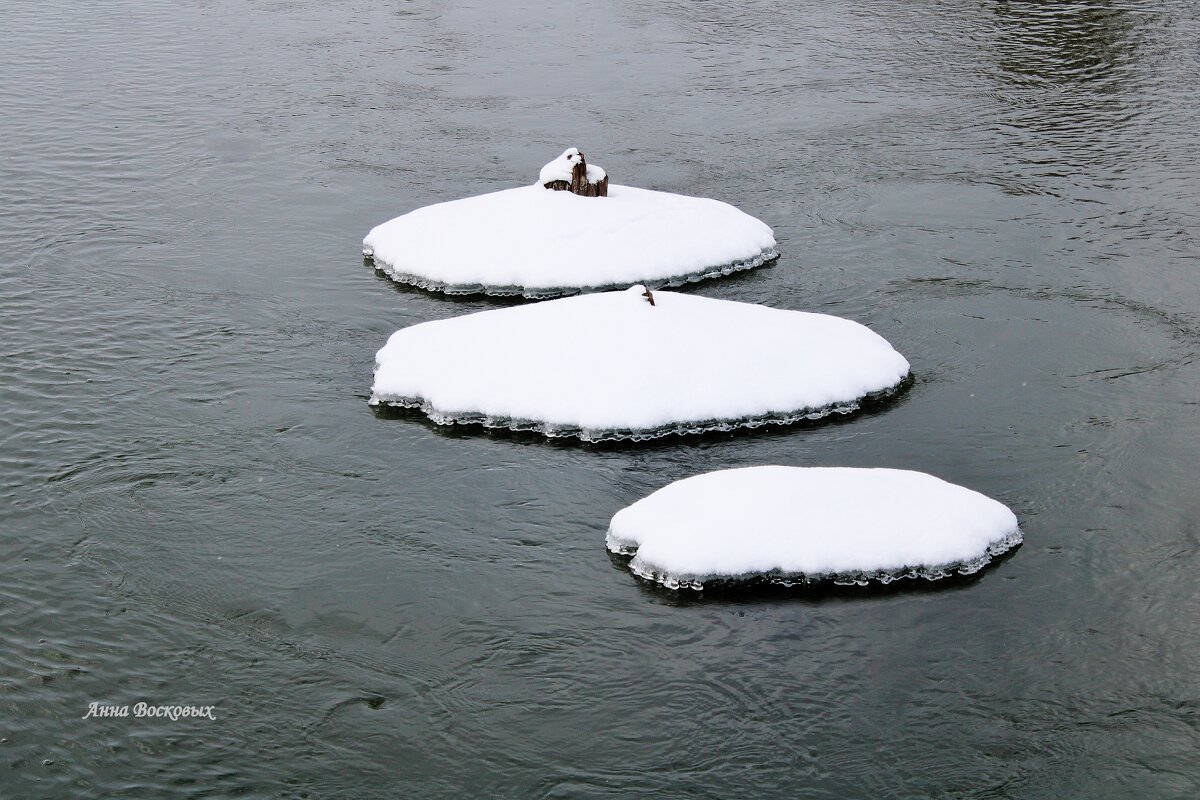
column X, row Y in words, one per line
column 197, row 505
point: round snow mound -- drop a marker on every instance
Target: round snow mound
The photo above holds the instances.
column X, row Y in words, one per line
column 798, row 525
column 614, row 366
column 537, row 242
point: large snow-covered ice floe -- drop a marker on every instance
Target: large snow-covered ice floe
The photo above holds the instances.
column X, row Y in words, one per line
column 794, row 525
column 615, row 365
column 537, row 242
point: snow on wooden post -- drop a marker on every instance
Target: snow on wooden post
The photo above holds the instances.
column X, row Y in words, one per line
column 570, row 172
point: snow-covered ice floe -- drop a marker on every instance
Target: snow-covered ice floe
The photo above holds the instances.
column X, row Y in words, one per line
column 537, row 242
column 794, row 525
column 614, row 366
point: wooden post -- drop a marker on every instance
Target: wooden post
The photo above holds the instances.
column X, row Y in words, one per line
column 579, row 183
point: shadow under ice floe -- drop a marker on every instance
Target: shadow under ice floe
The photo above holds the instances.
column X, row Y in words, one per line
column 871, row 402
column 764, row 258
column 787, row 580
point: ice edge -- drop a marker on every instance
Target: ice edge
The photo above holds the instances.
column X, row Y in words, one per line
column 554, row 430
column 788, row 579
column 542, row 293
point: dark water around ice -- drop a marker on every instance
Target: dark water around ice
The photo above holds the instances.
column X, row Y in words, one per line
column 199, row 507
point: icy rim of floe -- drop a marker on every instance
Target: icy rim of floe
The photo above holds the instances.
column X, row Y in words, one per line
column 789, row 579
column 544, row 293
column 555, row 430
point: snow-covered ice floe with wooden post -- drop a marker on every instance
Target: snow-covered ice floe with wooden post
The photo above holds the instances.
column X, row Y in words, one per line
column 636, row 365
column 793, row 525
column 588, row 236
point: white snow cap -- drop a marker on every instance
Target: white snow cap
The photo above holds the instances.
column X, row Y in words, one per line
column 560, row 168
column 539, row 243
column 612, row 366
column 796, row 524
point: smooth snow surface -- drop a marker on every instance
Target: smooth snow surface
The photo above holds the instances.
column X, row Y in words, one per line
column 797, row 524
column 537, row 242
column 611, row 366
